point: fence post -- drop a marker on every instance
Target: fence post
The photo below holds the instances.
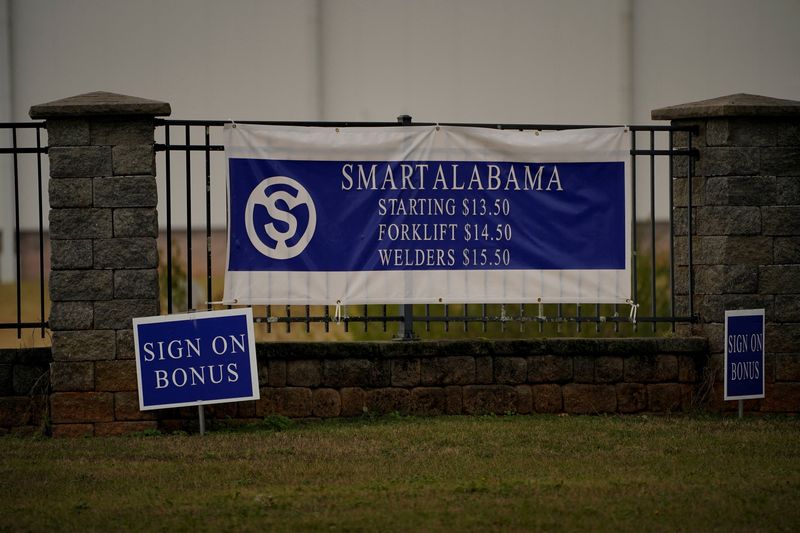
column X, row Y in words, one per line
column 406, row 332
column 744, row 198
column 104, row 257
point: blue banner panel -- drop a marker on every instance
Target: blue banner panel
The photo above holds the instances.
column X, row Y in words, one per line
column 195, row 359
column 344, row 216
column 744, row 354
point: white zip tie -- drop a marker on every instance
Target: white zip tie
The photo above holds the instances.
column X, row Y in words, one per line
column 634, row 310
column 337, row 314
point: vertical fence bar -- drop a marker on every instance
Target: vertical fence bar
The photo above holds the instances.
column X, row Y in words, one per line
column 168, row 184
column 308, row 319
column 16, row 231
column 385, row 324
column 269, row 314
column 366, row 318
column 207, row 149
column 690, row 171
column 188, row 221
column 408, row 309
column 41, row 226
column 634, row 254
column 671, row 239
column 653, row 227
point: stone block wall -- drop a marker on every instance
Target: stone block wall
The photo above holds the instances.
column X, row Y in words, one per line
column 745, row 230
column 104, row 258
column 575, row 376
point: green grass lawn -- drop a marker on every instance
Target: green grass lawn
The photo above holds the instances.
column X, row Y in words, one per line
column 447, row 473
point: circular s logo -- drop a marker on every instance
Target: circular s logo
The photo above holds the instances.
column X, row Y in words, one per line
column 287, row 230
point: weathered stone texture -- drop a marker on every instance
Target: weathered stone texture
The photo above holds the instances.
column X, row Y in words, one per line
column 455, row 370
column 68, row 132
column 70, row 254
column 303, row 373
column 135, row 222
column 787, row 250
column 326, row 403
column 608, row 369
column 80, row 223
column 788, row 190
column 71, row 315
column 71, row 377
column 484, row 370
column 405, row 372
column 651, row 369
column 780, row 161
column 126, row 253
column 356, row 372
column 484, row 399
column 779, row 279
column 524, row 399
column 74, row 407
column 741, row 191
column 428, row 401
column 109, row 429
column 129, row 159
column 114, row 131
column 781, row 220
column 81, row 285
column 664, row 397
column 510, row 370
column 115, row 376
column 741, row 132
column 455, row 399
column 715, row 279
column 783, row 398
column 126, row 407
column 70, row 431
column 285, row 401
column 79, row 161
column 136, row 284
column 125, row 191
column 125, row 348
column 87, row 345
column 72, row 192
column 583, row 369
column 277, row 373
column 725, row 161
column 589, row 399
column 388, row 400
column 787, row 367
column 728, row 220
column 631, row 397
column 549, row 368
column 117, row 314
column 353, row 401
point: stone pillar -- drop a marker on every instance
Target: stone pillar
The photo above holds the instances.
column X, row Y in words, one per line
column 104, row 259
column 745, row 229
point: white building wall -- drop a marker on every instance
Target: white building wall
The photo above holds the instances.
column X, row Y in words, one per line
column 569, row 61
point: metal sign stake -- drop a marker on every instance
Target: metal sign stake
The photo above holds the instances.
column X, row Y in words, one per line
column 201, row 414
column 741, row 409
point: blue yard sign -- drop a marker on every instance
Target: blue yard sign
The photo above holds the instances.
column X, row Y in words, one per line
column 744, row 354
column 195, row 359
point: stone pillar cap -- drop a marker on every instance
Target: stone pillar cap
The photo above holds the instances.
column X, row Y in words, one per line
column 98, row 104
column 733, row 105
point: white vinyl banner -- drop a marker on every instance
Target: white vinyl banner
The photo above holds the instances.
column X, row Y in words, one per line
column 427, row 214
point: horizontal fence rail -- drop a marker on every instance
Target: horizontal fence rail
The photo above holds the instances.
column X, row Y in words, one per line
column 192, row 167
column 23, row 301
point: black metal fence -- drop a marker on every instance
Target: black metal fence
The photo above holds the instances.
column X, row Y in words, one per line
column 192, row 166
column 23, row 295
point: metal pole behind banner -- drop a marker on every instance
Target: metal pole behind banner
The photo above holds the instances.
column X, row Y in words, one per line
column 741, row 408
column 408, row 309
column 201, row 415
